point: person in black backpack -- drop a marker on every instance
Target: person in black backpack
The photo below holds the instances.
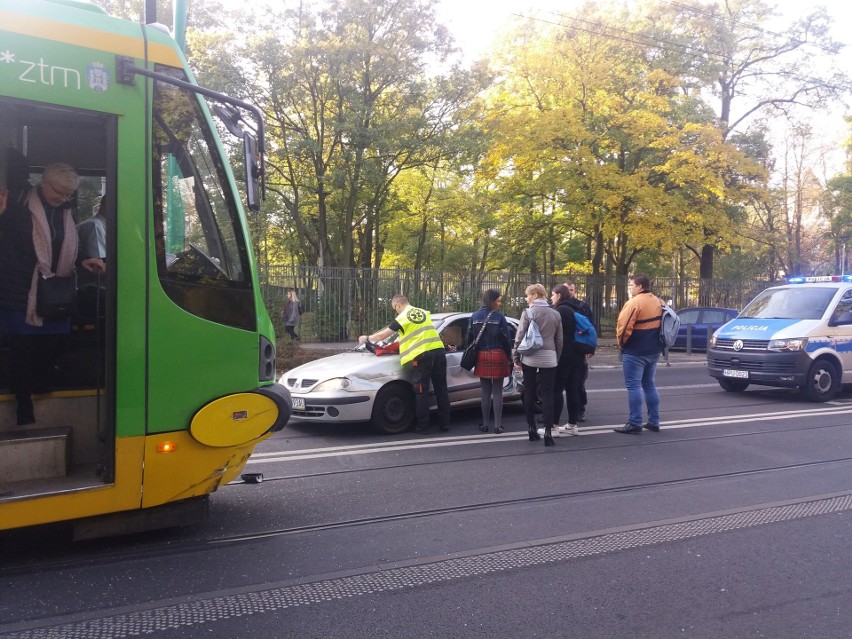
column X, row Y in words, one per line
column 569, row 370
column 581, row 307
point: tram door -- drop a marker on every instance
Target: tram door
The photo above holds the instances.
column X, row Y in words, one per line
column 202, row 320
column 74, row 370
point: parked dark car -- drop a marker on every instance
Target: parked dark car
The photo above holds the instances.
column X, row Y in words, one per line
column 699, row 318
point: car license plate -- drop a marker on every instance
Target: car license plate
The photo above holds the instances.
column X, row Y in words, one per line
column 732, row 373
column 299, row 403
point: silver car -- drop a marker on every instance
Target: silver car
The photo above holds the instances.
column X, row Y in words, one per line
column 359, row 386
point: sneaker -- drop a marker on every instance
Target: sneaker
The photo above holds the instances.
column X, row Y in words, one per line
column 654, row 428
column 568, row 429
column 554, row 432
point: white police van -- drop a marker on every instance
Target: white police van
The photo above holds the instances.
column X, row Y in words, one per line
column 797, row 335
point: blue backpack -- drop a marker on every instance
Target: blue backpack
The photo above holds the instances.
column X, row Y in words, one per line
column 585, row 335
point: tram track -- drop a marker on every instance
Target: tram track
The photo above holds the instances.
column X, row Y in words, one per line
column 162, row 550
column 122, row 550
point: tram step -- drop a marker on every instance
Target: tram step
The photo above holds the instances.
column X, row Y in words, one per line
column 33, row 454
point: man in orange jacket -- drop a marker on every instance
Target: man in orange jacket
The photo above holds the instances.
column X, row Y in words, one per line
column 638, row 336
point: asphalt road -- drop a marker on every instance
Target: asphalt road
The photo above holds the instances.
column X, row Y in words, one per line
column 733, row 521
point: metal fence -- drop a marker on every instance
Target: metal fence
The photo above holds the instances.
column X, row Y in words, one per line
column 341, row 303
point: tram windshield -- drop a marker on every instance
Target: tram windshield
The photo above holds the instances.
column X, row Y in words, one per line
column 202, row 256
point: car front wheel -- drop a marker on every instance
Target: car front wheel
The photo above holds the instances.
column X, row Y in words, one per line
column 822, row 382
column 393, row 410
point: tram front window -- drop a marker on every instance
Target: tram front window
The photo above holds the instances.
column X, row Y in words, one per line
column 201, row 251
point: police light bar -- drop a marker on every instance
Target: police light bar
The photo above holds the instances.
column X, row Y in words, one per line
column 799, row 279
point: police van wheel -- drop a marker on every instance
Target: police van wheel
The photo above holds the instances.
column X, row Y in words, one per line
column 393, row 410
column 733, row 385
column 822, row 382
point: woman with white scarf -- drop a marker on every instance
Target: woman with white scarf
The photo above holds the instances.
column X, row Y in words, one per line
column 38, row 238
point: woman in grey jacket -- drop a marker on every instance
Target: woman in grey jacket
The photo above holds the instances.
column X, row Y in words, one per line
column 291, row 316
column 539, row 368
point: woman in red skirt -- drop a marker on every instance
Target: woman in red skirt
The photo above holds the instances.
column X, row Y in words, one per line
column 493, row 356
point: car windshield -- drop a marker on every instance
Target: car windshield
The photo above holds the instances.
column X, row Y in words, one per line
column 790, row 303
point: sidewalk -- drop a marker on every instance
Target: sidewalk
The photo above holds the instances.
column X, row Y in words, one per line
column 607, row 355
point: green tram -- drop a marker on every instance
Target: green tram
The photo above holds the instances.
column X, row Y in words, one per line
column 162, row 387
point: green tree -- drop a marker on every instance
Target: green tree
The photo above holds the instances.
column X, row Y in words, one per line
column 350, row 108
column 752, row 69
column 616, row 149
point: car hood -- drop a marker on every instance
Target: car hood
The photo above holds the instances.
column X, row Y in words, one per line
column 361, row 365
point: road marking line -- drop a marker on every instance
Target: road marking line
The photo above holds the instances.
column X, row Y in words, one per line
column 441, row 442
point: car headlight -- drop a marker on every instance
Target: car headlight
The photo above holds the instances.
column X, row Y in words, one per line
column 336, row 383
column 713, row 339
column 788, row 345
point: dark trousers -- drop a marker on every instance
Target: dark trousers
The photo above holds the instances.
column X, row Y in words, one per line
column 32, row 359
column 430, row 370
column 584, row 399
column 569, row 378
column 538, row 382
column 291, row 331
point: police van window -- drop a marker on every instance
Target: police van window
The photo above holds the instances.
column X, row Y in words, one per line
column 202, row 257
column 790, row 303
column 842, row 315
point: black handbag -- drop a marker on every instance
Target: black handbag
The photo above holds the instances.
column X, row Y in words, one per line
column 56, row 297
column 468, row 359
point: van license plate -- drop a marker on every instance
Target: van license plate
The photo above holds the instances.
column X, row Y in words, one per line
column 731, row 373
column 299, row 403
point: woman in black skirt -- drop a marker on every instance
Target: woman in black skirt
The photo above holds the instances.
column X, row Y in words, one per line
column 493, row 356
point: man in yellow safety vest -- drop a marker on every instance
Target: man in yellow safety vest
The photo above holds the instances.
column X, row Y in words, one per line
column 422, row 357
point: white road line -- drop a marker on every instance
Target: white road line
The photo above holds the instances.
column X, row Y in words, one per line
column 621, row 389
column 440, row 442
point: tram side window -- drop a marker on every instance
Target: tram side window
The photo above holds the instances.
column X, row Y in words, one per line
column 199, row 241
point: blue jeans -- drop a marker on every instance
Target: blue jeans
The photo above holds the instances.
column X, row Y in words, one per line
column 639, row 372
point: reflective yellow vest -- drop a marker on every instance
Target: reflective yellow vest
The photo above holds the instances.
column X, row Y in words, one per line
column 417, row 335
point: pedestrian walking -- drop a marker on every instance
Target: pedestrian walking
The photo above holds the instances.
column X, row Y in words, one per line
column 582, row 307
column 422, row 357
column 638, row 337
column 539, row 367
column 291, row 316
column 569, row 369
column 493, row 357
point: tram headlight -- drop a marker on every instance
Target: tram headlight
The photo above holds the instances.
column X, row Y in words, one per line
column 790, row 345
column 336, row 383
